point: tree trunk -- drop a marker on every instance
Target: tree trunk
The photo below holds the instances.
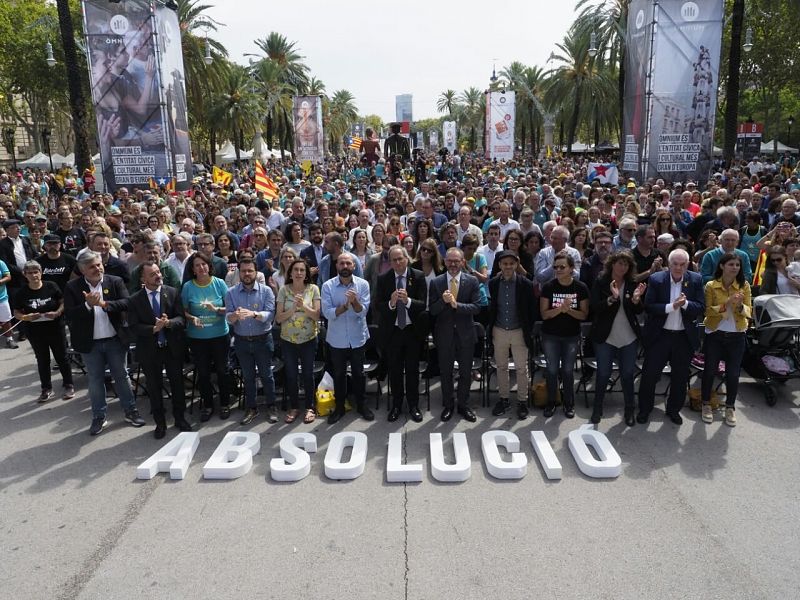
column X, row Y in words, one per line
column 623, row 23
column 212, row 138
column 77, row 101
column 573, row 121
column 732, row 89
column 270, row 133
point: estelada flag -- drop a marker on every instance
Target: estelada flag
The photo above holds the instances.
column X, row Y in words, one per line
column 221, row 176
column 355, row 143
column 264, row 183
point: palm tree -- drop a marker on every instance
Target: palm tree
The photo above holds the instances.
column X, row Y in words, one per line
column 238, row 109
column 472, row 114
column 276, row 95
column 732, row 88
column 282, row 52
column 447, row 102
column 525, row 81
column 315, row 87
column 75, row 77
column 342, row 114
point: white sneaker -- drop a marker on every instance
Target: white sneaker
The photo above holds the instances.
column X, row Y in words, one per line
column 10, row 343
column 730, row 416
column 707, row 414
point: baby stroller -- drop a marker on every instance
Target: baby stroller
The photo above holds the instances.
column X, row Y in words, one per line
column 771, row 354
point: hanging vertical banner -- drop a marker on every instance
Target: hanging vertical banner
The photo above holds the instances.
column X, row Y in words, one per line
column 138, row 93
column 685, row 76
column 449, row 134
column 433, row 139
column 500, row 125
column 308, row 135
column 637, row 64
column 173, row 81
column 420, row 140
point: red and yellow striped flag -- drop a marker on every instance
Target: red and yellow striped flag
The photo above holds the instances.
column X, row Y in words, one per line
column 760, row 266
column 264, row 183
column 355, row 143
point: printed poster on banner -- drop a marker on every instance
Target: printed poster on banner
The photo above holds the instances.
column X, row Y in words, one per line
column 433, row 138
column 685, row 77
column 500, row 125
column 637, row 62
column 308, row 134
column 137, row 83
column 449, row 134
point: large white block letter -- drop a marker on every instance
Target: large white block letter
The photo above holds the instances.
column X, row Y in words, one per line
column 609, row 465
column 234, row 456
column 173, row 457
column 461, row 470
column 395, row 469
column 544, row 452
column 295, row 463
column 334, row 467
column 497, row 467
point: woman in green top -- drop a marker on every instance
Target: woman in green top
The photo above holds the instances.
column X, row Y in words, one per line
column 203, row 299
column 297, row 310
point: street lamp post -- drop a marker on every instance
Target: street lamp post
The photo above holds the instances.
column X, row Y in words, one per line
column 46, row 141
column 8, row 141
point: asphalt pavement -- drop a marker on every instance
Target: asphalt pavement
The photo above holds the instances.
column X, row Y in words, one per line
column 699, row 511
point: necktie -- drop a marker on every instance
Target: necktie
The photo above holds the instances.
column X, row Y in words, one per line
column 162, row 336
column 454, row 287
column 402, row 311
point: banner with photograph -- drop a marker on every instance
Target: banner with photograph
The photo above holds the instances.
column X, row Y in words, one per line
column 138, row 93
column 684, row 76
column 308, row 134
column 500, row 125
column 637, row 63
column 433, row 139
column 449, row 134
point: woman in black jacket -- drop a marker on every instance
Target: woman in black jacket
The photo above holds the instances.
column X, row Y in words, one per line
column 615, row 301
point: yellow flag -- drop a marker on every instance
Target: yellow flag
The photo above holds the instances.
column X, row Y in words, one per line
column 306, row 166
column 220, row 176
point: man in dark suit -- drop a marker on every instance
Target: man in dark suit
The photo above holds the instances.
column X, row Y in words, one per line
column 402, row 327
column 314, row 254
column 155, row 315
column 453, row 301
column 674, row 301
column 95, row 305
column 512, row 313
column 15, row 251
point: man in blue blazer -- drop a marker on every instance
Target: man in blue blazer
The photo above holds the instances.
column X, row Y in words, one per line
column 674, row 302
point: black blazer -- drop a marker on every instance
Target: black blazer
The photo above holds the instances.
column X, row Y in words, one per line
column 310, row 256
column 141, row 321
column 418, row 313
column 657, row 297
column 7, row 256
column 527, row 306
column 457, row 321
column 81, row 319
column 603, row 314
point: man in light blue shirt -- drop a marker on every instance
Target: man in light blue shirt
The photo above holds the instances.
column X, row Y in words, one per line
column 728, row 242
column 249, row 309
column 345, row 302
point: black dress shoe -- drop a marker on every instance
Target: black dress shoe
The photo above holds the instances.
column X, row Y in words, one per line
column 160, row 432
column 675, row 418
column 569, row 412
column 205, row 414
column 642, row 418
column 468, row 414
column 416, row 416
column 183, row 425
column 224, row 412
column 500, row 407
column 549, row 410
column 366, row 413
column 630, row 420
column 335, row 416
column 447, row 413
column 394, row 414
column 522, row 410
column 596, row 416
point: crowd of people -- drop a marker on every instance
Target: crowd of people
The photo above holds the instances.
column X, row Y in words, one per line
column 437, row 255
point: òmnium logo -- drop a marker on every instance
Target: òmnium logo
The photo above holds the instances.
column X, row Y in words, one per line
column 690, row 11
column 639, row 19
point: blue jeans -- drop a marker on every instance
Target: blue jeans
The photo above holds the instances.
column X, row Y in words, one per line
column 560, row 353
column 301, row 355
column 252, row 355
column 626, row 357
column 109, row 352
column 727, row 346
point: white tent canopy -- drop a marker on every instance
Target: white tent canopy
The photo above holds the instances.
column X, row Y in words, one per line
column 769, row 146
column 39, row 160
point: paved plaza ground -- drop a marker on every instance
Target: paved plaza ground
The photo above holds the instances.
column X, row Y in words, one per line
column 700, row 511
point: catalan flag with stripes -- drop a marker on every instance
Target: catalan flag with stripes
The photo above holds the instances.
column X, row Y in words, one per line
column 264, row 183
column 355, row 143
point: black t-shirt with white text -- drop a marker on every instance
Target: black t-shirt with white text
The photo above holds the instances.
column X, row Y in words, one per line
column 46, row 299
column 58, row 270
column 563, row 325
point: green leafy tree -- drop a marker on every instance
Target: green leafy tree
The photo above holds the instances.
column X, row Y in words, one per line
column 237, row 110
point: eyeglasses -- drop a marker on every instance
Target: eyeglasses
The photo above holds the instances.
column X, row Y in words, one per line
column 426, row 250
column 665, row 219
